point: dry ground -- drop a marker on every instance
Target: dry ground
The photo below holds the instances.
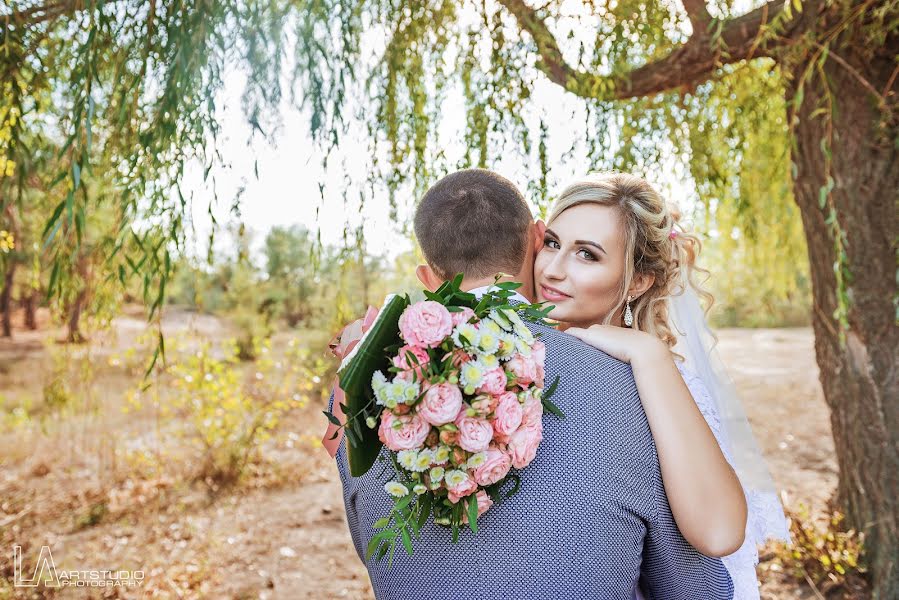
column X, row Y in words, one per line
column 68, row 478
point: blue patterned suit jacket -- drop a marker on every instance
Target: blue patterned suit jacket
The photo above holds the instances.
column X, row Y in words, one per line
column 591, row 519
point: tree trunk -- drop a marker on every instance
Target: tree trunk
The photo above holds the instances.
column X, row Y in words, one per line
column 860, row 378
column 30, row 305
column 6, row 296
column 74, row 335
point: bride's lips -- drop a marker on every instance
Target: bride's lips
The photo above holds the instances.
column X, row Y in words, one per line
column 552, row 294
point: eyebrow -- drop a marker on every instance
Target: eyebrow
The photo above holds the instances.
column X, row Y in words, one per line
column 580, row 242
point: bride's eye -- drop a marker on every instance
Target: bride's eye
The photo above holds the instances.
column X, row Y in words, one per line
column 587, row 254
column 551, row 243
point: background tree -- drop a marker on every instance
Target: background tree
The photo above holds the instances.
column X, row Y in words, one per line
column 787, row 107
column 291, row 272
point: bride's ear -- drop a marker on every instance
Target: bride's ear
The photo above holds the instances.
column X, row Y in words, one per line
column 640, row 283
column 428, row 277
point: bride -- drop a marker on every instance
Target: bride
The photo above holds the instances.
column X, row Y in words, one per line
column 620, row 274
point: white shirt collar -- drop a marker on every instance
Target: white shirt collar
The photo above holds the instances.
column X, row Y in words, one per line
column 480, row 291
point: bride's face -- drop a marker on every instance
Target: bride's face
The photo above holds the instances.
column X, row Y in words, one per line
column 581, row 265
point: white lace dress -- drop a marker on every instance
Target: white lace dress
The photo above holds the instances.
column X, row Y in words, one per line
column 741, row 564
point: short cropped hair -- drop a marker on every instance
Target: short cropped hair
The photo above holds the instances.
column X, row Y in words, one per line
column 473, row 222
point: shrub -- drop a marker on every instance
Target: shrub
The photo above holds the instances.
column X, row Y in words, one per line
column 825, row 555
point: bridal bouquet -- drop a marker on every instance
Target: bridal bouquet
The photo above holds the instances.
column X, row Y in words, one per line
column 458, row 401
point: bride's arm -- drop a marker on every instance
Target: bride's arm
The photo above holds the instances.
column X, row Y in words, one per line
column 704, row 493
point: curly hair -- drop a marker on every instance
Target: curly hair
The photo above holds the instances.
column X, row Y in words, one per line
column 652, row 246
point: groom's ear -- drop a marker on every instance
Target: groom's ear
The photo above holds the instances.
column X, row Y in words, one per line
column 428, row 277
column 539, row 233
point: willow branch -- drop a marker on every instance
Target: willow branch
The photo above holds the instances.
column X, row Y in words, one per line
column 689, row 64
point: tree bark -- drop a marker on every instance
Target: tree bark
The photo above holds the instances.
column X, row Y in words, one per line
column 6, row 296
column 30, row 306
column 861, row 377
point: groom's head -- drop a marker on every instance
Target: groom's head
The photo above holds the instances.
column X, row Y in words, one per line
column 477, row 223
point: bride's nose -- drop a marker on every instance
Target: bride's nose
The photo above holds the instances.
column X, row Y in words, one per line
column 555, row 269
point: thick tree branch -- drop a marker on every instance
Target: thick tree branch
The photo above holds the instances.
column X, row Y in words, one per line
column 691, row 63
column 699, row 16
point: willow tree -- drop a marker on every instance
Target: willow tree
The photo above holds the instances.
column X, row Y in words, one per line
column 782, row 107
column 812, row 82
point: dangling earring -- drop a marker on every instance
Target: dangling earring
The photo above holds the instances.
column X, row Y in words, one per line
column 628, row 315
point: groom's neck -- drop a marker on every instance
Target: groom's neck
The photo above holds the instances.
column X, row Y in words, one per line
column 526, row 289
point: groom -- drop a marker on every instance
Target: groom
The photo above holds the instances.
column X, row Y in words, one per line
column 591, row 519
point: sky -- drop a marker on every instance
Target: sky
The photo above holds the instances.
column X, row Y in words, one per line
column 289, row 167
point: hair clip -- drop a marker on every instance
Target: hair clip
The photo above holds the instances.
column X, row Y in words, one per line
column 673, row 234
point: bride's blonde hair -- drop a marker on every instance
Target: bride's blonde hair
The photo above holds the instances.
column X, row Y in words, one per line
column 652, row 245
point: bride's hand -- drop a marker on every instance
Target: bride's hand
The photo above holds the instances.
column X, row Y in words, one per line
column 622, row 343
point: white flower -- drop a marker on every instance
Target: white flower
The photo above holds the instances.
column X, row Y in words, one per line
column 476, row 460
column 455, row 477
column 378, row 381
column 419, row 488
column 379, row 387
column 469, row 332
column 423, row 460
column 436, row 474
column 489, row 361
column 501, row 319
column 395, row 488
column 471, row 375
column 411, row 389
column 489, row 343
column 507, row 346
column 491, row 326
column 407, row 458
column 441, row 455
column 523, row 347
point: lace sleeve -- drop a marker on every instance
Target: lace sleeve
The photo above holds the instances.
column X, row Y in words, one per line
column 706, row 405
column 741, row 564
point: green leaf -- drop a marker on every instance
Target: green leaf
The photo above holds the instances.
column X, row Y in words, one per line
column 407, row 541
column 553, row 408
column 377, row 539
column 382, row 522
column 473, row 513
column 424, row 509
column 552, row 389
column 403, row 502
column 332, row 418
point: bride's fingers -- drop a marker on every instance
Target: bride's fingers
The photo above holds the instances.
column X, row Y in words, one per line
column 577, row 332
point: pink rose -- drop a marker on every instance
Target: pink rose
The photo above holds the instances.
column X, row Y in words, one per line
column 440, row 404
column 462, row 316
column 463, row 489
column 508, row 414
column 410, row 434
column 532, row 409
column 538, row 353
column 474, row 433
column 522, row 446
column 425, row 324
column 401, row 361
column 494, row 468
column 484, row 503
column 523, row 368
column 494, row 382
